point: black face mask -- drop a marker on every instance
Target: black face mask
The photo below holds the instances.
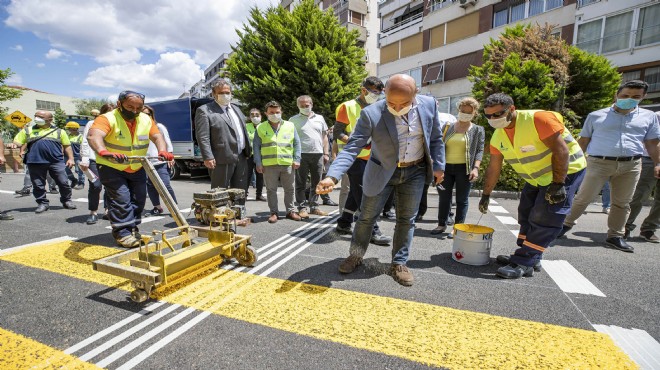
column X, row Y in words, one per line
column 127, row 114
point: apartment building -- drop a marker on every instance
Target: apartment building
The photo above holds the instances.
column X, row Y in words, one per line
column 360, row 15
column 211, row 73
column 436, row 41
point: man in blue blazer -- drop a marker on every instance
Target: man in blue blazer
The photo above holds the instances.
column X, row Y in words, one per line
column 407, row 152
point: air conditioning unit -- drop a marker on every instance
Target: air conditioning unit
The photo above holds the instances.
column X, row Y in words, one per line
column 466, row 3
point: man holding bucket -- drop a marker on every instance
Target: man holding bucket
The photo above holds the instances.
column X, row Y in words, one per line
column 543, row 152
column 406, row 152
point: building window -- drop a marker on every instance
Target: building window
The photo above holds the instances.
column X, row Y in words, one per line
column 582, row 3
column 553, row 4
column 517, row 12
column 501, row 18
column 443, row 105
column 536, row 7
column 652, row 77
column 523, row 9
column 588, row 36
column 416, row 73
column 439, row 4
column 616, row 35
column 648, row 29
column 47, row 105
column 356, row 18
column 434, row 73
column 631, row 75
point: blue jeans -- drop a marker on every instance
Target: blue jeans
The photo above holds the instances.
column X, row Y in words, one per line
column 454, row 175
column 408, row 185
column 606, row 195
column 164, row 175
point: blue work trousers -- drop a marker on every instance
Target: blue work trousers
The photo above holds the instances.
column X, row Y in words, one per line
column 164, row 174
column 541, row 222
column 127, row 193
column 79, row 172
column 408, row 184
column 38, row 174
column 354, row 201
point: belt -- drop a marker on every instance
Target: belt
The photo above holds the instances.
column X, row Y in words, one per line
column 618, row 159
column 408, row 164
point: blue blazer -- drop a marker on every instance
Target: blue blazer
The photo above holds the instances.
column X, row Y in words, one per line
column 377, row 123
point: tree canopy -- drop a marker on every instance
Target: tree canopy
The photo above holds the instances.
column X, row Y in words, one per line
column 282, row 55
column 84, row 106
column 7, row 130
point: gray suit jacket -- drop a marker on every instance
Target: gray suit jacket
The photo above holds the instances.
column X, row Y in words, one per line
column 216, row 135
column 377, row 123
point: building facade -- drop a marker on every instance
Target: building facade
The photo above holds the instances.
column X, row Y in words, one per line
column 33, row 100
column 436, row 41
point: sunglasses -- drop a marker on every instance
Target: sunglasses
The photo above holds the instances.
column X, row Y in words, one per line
column 126, row 93
column 497, row 114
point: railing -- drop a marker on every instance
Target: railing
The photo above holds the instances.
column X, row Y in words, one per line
column 339, row 5
column 633, row 39
column 582, row 3
column 399, row 26
column 439, row 4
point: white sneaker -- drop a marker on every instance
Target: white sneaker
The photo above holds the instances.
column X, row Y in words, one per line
column 606, row 210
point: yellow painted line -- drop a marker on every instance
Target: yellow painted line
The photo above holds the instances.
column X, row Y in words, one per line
column 19, row 352
column 428, row 334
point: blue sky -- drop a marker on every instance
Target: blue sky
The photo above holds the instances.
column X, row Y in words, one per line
column 85, row 48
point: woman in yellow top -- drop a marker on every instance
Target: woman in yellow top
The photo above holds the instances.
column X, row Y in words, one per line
column 464, row 149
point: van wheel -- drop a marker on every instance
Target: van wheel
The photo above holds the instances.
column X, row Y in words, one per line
column 175, row 171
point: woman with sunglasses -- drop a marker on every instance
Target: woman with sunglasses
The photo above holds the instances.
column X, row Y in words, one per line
column 464, row 149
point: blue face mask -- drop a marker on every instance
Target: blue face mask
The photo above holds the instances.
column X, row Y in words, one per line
column 626, row 104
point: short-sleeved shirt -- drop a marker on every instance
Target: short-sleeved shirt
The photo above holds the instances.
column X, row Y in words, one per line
column 546, row 124
column 614, row 134
column 102, row 123
column 43, row 151
column 311, row 131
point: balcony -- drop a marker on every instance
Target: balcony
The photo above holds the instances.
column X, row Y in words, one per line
column 401, row 30
column 363, row 31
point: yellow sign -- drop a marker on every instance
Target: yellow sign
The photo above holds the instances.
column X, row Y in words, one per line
column 18, row 119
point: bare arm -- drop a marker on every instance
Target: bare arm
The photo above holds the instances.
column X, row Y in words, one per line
column 493, row 173
column 95, row 139
column 559, row 150
column 159, row 140
column 584, row 143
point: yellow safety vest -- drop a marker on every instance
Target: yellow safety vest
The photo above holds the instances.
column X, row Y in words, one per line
column 528, row 156
column 251, row 130
column 119, row 140
column 276, row 149
column 353, row 110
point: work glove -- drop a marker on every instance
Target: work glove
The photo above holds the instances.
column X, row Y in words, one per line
column 117, row 157
column 556, row 193
column 483, row 203
column 166, row 156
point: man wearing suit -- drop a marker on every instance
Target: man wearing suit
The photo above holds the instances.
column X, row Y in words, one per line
column 222, row 138
column 406, row 153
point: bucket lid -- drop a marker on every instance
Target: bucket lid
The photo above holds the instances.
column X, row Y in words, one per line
column 475, row 229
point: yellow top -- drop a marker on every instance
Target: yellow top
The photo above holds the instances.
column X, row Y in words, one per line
column 455, row 149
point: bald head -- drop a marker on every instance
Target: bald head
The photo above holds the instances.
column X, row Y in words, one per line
column 400, row 91
column 44, row 114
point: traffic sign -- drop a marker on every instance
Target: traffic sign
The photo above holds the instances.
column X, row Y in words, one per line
column 18, row 119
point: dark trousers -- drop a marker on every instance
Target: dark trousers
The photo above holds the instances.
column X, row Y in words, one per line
column 164, row 174
column 310, row 164
column 127, row 193
column 38, row 173
column 94, row 191
column 72, row 178
column 231, row 175
column 259, row 183
column 454, row 176
column 354, row 201
column 541, row 222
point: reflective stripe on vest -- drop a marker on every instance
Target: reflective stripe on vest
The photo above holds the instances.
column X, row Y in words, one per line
column 276, row 149
column 353, row 110
column 119, row 139
column 529, row 156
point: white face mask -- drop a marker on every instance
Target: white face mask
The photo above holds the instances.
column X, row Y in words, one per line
column 305, row 111
column 275, row 117
column 371, row 98
column 223, row 99
column 400, row 113
column 465, row 117
column 39, row 121
column 255, row 120
column 501, row 122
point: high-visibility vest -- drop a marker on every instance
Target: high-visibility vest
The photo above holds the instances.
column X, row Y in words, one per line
column 353, row 110
column 120, row 140
column 529, row 156
column 276, row 149
column 251, row 129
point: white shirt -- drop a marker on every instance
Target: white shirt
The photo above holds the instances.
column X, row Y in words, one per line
column 311, row 131
column 152, row 151
column 86, row 152
column 411, row 136
column 240, row 139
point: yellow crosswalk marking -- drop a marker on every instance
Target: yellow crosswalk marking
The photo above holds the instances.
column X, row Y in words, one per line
column 420, row 332
column 19, row 352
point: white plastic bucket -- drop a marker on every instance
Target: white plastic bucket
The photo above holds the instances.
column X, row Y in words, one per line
column 472, row 244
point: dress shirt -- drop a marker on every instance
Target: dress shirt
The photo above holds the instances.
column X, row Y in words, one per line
column 614, row 134
column 411, row 137
column 236, row 123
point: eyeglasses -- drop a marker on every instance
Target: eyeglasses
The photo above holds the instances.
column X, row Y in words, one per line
column 126, row 93
column 496, row 115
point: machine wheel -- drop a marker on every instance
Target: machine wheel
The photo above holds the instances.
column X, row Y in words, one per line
column 249, row 259
column 175, row 171
column 139, row 296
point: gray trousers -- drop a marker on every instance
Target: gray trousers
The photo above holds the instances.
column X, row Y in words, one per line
column 272, row 176
column 647, row 182
column 623, row 177
column 312, row 164
column 232, row 175
column 343, row 192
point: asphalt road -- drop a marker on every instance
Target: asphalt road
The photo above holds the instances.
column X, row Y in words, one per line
column 590, row 306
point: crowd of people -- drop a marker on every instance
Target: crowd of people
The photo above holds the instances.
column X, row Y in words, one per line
column 387, row 146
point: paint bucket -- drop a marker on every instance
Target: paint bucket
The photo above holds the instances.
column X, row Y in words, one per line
column 472, row 244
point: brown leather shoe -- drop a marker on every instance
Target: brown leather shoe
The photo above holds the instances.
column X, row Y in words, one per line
column 294, row 216
column 350, row 264
column 402, row 275
column 273, row 218
column 318, row 212
column 303, row 214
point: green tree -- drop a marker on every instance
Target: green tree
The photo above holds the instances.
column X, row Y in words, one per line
column 59, row 118
column 7, row 130
column 282, row 55
column 84, row 106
